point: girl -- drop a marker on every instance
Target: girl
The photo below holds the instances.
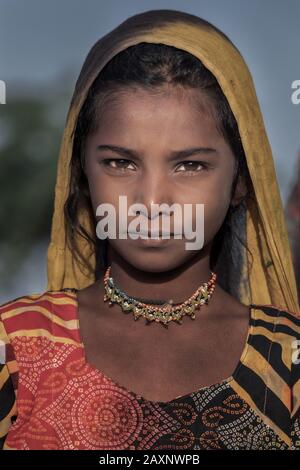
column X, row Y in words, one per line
column 164, row 112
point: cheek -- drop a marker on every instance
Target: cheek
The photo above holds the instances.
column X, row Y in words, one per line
column 216, row 207
column 214, row 192
column 214, row 215
column 100, row 194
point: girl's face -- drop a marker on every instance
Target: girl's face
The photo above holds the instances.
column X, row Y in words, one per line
column 143, row 134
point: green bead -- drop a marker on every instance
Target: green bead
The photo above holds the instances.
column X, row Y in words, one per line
column 127, row 306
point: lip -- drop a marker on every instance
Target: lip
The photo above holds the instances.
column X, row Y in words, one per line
column 155, row 234
column 152, row 241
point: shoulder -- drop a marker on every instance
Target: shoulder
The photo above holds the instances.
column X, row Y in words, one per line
column 270, row 371
column 38, row 311
column 277, row 320
column 276, row 335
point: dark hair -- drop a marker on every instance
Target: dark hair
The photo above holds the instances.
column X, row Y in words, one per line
column 152, row 66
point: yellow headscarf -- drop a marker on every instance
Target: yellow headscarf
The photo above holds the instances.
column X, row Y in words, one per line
column 272, row 279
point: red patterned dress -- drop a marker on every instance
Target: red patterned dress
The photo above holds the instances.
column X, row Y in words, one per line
column 51, row 398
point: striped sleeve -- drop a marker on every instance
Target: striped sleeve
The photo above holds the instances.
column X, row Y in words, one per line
column 8, row 408
column 295, row 375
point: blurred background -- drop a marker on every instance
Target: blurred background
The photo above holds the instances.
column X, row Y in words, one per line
column 42, row 47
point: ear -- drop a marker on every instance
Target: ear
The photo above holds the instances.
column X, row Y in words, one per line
column 239, row 192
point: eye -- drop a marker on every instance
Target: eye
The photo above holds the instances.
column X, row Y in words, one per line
column 120, row 164
column 192, row 166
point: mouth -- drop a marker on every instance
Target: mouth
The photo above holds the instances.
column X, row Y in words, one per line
column 153, row 234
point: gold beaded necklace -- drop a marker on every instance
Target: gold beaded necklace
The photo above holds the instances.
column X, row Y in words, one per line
column 150, row 310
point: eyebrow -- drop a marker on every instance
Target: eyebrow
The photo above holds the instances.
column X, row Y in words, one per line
column 174, row 155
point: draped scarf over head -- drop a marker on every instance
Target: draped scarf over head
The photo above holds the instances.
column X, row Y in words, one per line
column 271, row 279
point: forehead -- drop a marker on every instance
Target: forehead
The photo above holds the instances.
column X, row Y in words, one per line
column 176, row 111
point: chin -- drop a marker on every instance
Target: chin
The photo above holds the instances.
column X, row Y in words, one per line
column 153, row 262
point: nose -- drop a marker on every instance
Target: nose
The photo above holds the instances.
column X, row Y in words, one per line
column 154, row 188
